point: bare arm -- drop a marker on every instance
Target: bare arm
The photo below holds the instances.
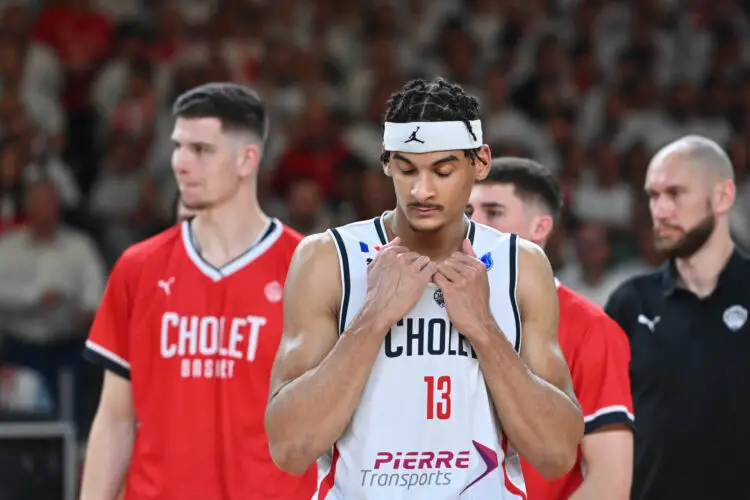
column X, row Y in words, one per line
column 317, row 378
column 533, row 394
column 608, row 454
column 110, row 442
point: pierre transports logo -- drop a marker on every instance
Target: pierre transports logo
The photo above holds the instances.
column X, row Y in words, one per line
column 430, row 469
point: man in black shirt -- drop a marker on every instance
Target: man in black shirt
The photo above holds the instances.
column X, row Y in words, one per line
column 689, row 334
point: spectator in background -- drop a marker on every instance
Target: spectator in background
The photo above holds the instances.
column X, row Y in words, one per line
column 307, row 212
column 32, row 69
column 11, row 187
column 317, row 150
column 591, row 276
column 51, row 280
column 603, row 196
column 81, row 38
column 116, row 198
column 131, row 49
column 137, row 109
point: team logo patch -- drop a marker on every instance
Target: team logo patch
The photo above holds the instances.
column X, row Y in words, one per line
column 438, row 296
column 735, row 317
column 274, row 292
column 487, row 260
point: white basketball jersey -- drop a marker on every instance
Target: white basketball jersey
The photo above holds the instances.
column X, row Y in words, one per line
column 425, row 427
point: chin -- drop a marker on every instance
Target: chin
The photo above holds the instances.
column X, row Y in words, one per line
column 195, row 204
column 422, row 225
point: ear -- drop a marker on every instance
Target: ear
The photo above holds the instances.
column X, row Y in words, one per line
column 386, row 165
column 541, row 227
column 723, row 196
column 248, row 160
column 483, row 164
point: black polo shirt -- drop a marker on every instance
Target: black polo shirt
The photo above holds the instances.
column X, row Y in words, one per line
column 690, row 376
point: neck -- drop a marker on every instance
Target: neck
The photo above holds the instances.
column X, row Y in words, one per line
column 225, row 232
column 699, row 273
column 438, row 245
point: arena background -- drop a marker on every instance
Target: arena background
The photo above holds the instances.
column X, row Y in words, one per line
column 589, row 88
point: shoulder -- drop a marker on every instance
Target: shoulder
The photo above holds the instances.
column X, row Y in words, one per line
column 314, row 274
column 638, row 295
column 583, row 316
column 578, row 305
column 533, row 261
column 362, row 229
column 288, row 239
column 634, row 289
column 485, row 238
column 289, row 236
column 315, row 251
column 152, row 250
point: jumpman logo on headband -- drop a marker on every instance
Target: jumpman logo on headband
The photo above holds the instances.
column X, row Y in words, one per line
column 413, row 137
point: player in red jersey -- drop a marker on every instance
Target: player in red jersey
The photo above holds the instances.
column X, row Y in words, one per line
column 520, row 196
column 190, row 323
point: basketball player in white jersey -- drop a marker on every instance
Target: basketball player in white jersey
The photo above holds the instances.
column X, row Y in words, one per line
column 420, row 351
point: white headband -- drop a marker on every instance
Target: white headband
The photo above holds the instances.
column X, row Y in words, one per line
column 426, row 137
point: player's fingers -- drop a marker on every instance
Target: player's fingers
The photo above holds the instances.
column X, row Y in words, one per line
column 390, row 249
column 467, row 248
column 392, row 252
column 428, row 269
column 467, row 260
column 420, row 262
column 408, row 258
column 440, row 280
column 449, row 270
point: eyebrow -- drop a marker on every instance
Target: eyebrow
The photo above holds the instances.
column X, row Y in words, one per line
column 492, row 204
column 447, row 159
column 177, row 142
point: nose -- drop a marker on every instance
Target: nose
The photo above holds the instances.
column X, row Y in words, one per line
column 423, row 188
column 180, row 163
column 662, row 207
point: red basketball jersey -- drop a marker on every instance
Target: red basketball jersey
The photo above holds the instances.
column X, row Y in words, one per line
column 598, row 354
column 198, row 343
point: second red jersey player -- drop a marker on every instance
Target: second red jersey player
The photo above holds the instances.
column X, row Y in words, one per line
column 598, row 355
column 189, row 326
column 520, row 196
column 201, row 339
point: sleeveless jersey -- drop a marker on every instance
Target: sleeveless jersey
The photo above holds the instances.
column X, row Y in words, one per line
column 425, row 427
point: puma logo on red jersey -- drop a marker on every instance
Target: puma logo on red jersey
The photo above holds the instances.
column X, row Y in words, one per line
column 166, row 285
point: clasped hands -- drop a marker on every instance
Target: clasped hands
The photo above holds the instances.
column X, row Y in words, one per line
column 397, row 278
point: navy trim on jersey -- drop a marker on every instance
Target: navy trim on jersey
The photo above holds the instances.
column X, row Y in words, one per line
column 472, row 230
column 103, row 361
column 513, row 279
column 346, row 279
column 380, row 229
column 266, row 234
column 614, row 417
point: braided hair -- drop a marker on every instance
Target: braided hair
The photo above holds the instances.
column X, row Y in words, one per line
column 435, row 101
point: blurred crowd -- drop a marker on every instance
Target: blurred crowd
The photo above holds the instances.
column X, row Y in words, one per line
column 589, row 88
